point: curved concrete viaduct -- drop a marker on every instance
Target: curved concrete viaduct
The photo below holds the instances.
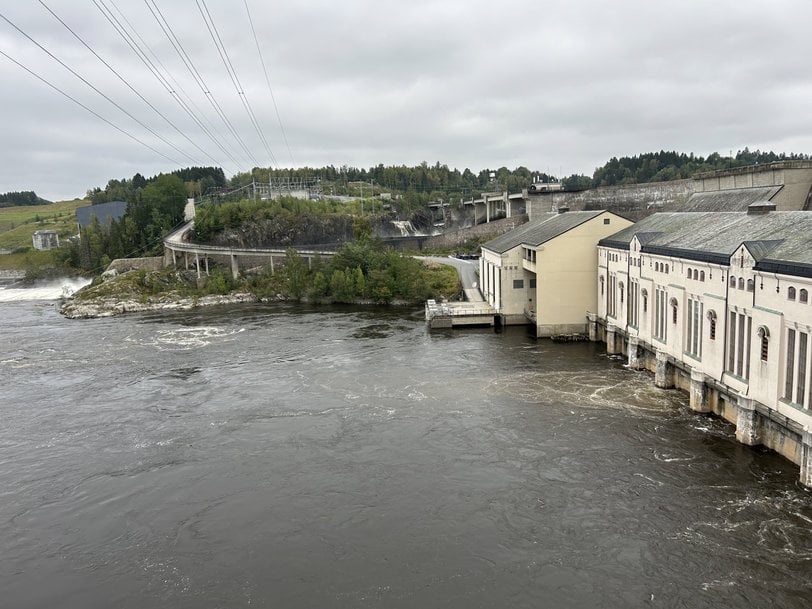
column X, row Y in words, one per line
column 177, row 249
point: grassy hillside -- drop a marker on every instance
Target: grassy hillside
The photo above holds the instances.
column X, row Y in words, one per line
column 17, row 225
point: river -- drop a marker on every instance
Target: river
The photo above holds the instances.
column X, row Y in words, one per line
column 281, row 456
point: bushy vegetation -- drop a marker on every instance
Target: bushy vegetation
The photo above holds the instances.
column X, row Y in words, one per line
column 361, row 271
column 278, row 222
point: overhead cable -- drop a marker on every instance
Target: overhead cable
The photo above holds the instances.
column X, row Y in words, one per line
column 86, row 82
column 93, row 112
column 268, row 81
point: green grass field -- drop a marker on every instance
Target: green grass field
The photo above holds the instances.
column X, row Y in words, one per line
column 17, row 225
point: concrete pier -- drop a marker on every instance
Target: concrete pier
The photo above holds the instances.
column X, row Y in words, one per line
column 634, row 353
column 699, row 401
column 664, row 373
column 748, row 423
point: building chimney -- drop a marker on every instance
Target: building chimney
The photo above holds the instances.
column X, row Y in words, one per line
column 759, row 208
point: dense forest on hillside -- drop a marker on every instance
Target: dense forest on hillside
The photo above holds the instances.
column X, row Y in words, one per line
column 26, row 197
column 665, row 166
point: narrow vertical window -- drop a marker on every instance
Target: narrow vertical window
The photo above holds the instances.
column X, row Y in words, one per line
column 740, row 348
column 712, row 325
column 800, row 394
column 790, row 293
column 790, row 380
column 764, row 335
column 731, row 346
column 803, row 296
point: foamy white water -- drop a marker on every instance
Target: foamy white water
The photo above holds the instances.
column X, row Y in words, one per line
column 51, row 290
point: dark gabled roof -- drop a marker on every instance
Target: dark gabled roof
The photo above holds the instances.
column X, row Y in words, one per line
column 540, row 230
column 738, row 199
column 776, row 239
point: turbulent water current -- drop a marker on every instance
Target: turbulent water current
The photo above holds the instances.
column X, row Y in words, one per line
column 267, row 456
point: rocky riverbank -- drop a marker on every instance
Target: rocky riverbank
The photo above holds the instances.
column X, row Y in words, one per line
column 109, row 307
column 140, row 290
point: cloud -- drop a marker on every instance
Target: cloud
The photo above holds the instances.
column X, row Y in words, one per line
column 558, row 86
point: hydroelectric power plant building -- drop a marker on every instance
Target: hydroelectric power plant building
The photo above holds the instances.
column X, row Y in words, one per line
column 712, row 294
column 718, row 304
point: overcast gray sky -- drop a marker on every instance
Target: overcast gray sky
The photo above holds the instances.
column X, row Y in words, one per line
column 556, row 86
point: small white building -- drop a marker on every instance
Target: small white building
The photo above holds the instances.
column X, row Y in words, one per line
column 45, row 239
column 544, row 272
column 718, row 304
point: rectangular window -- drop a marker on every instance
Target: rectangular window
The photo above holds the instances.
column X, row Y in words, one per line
column 518, row 284
column 740, row 348
column 802, row 341
column 731, row 345
column 747, row 348
column 694, row 327
column 533, row 283
column 790, row 381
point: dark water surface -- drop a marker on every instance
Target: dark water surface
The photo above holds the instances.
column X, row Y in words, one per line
column 293, row 457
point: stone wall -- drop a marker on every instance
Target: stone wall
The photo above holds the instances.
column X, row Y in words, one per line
column 489, row 230
column 122, row 265
column 634, row 201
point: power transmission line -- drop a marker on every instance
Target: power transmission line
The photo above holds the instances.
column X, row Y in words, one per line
column 268, row 81
column 93, row 112
column 86, row 82
column 176, row 44
column 128, row 39
column 232, row 73
column 123, row 80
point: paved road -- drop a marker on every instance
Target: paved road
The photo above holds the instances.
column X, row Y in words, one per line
column 467, row 271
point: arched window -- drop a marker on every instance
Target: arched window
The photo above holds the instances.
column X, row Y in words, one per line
column 751, row 285
column 696, row 274
column 712, row 324
column 803, row 296
column 644, row 294
column 689, row 273
column 674, row 310
column 732, row 282
column 666, row 269
column 791, row 293
column 764, row 335
column 701, row 275
column 741, row 283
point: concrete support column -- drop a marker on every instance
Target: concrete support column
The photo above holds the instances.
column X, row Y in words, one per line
column 748, row 425
column 699, row 401
column 593, row 327
column 664, row 373
column 634, row 356
column 235, row 268
column 806, row 458
column 197, row 264
column 611, row 339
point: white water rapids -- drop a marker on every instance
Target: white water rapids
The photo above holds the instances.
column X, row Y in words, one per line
column 51, row 290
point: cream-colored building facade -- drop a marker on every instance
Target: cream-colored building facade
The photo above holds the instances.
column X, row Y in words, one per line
column 544, row 272
column 718, row 304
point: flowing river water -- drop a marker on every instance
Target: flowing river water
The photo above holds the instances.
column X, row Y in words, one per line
column 280, row 456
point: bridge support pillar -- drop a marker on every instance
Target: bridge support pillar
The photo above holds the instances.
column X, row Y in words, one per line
column 197, row 264
column 235, row 268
